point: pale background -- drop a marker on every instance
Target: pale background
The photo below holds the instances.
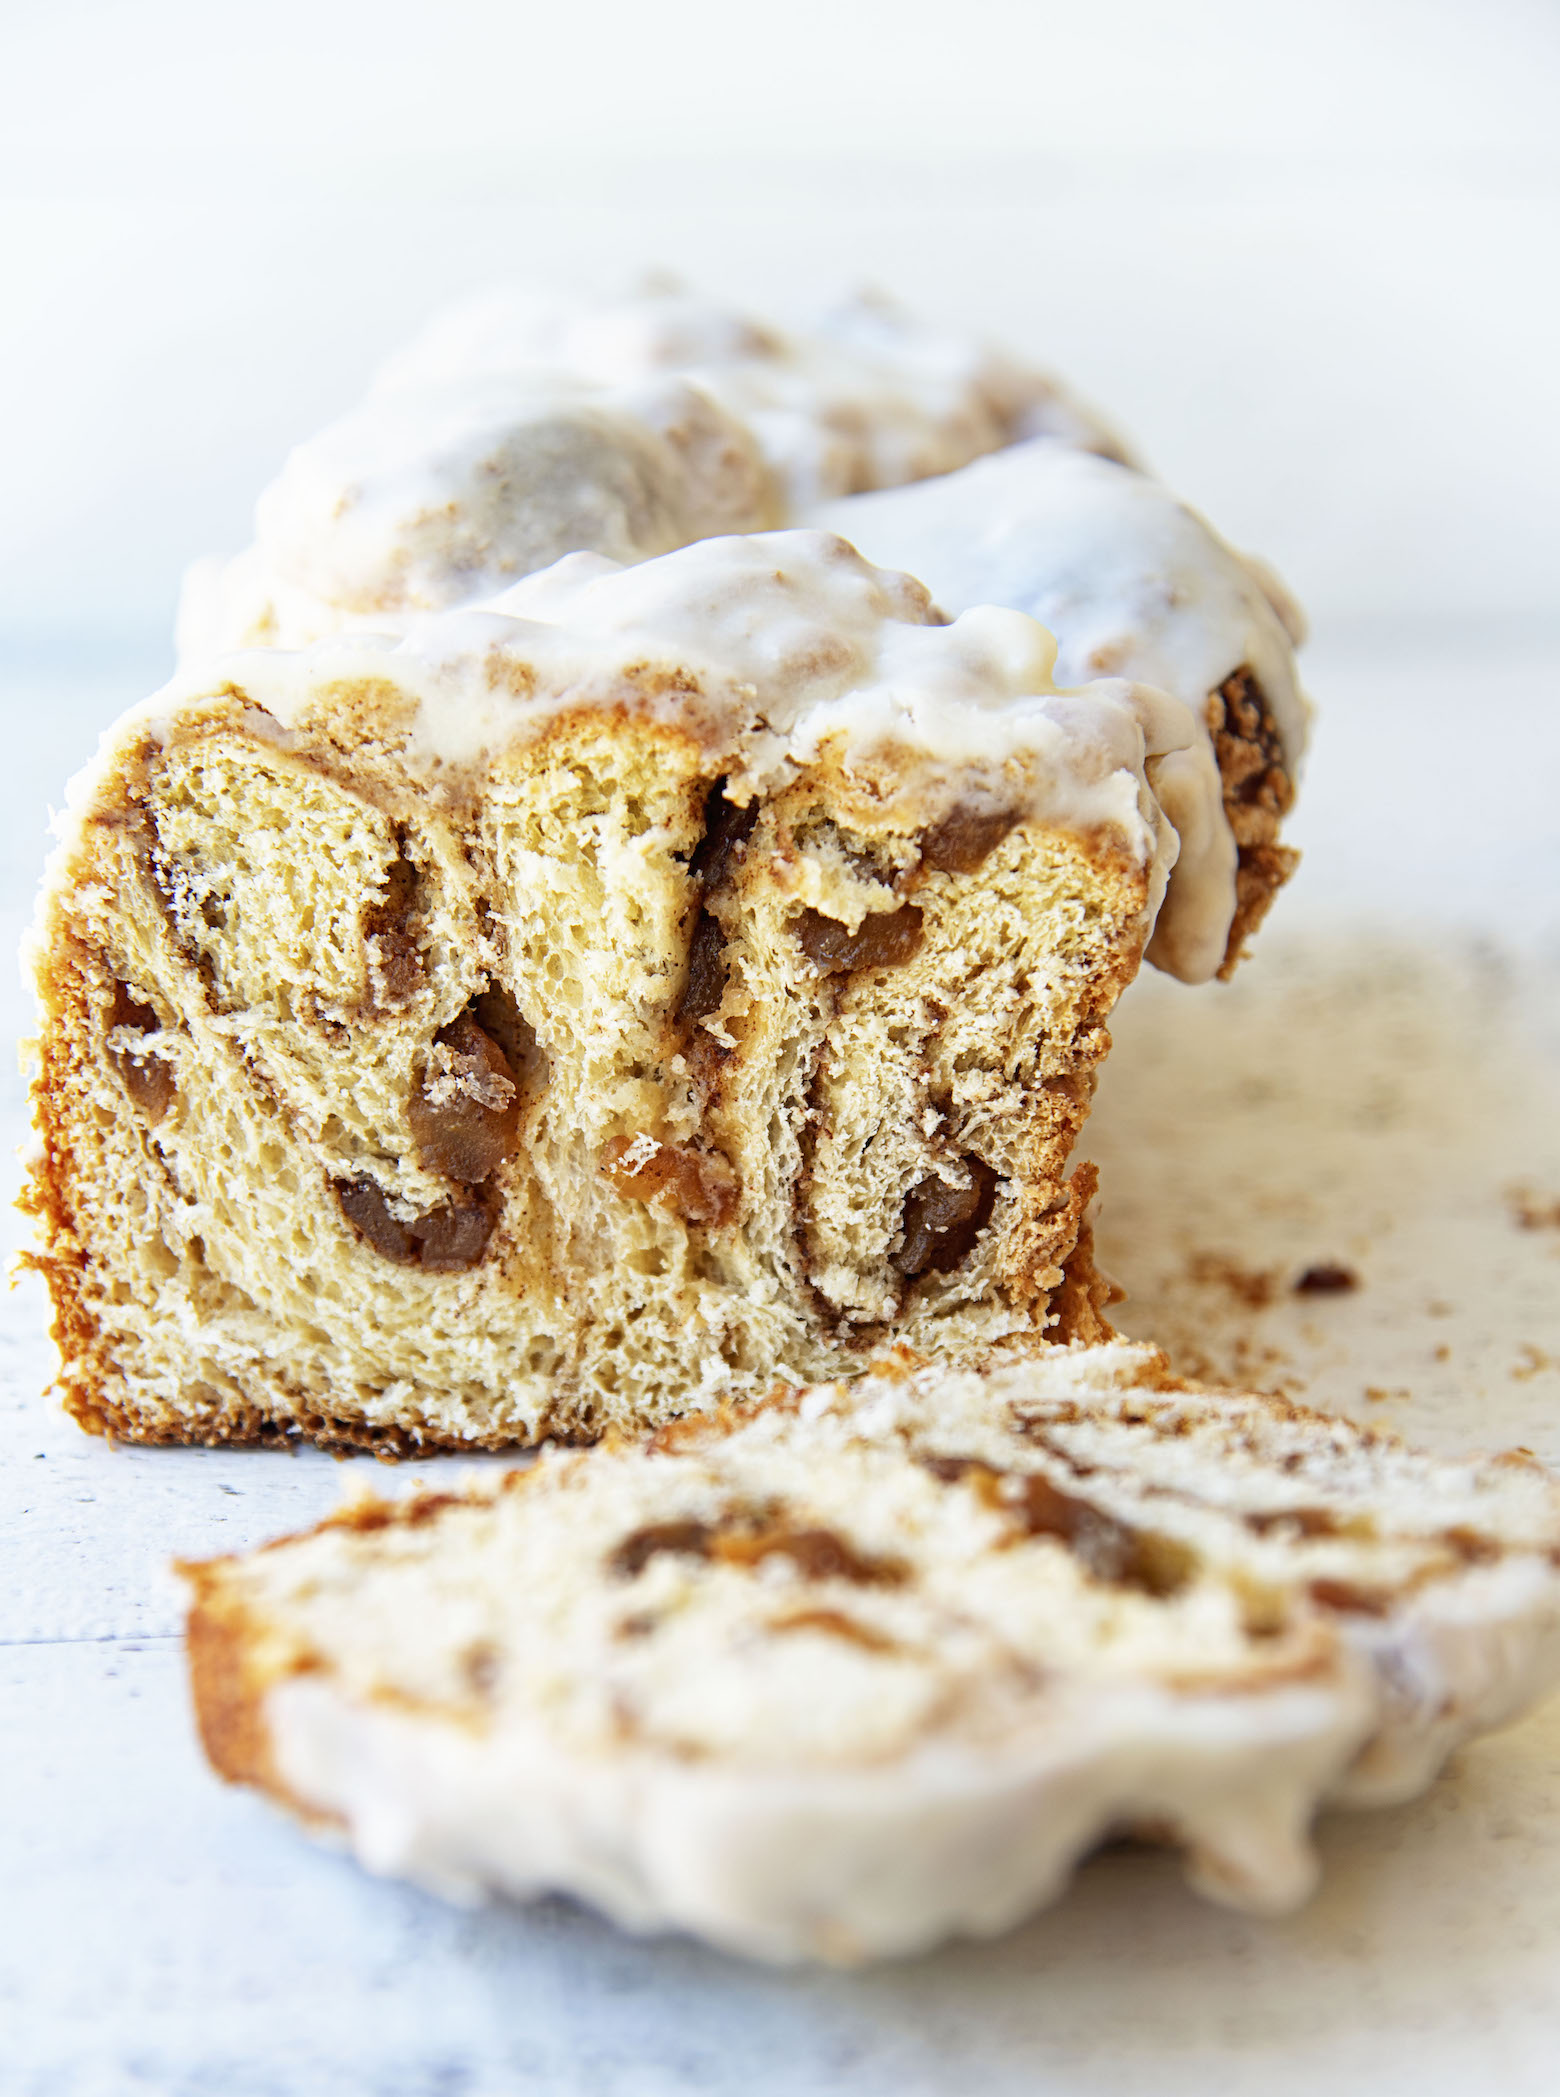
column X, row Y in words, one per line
column 1308, row 252
column 1307, row 255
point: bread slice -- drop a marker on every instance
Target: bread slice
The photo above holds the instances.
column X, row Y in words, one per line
column 666, row 979
column 855, row 1668
column 1133, row 583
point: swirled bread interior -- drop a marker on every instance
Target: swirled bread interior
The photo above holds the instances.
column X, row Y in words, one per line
column 537, row 1027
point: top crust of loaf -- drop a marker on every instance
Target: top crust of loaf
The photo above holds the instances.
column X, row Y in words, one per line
column 527, row 426
column 530, row 424
column 865, row 397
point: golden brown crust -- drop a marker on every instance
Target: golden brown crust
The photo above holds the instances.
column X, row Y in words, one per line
column 1261, row 873
column 1258, row 794
column 1079, row 1305
column 229, row 1679
column 84, row 1369
column 226, row 1694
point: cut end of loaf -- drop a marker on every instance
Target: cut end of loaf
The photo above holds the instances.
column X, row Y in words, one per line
column 402, row 1111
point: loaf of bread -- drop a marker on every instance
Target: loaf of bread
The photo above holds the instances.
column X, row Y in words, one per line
column 662, row 980
column 851, row 1669
column 1135, row 584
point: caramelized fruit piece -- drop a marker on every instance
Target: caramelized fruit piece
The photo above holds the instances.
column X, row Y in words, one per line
column 1348, row 1599
column 364, row 1205
column 706, row 984
column 453, row 1238
column 884, row 939
column 941, row 1223
column 837, row 1625
column 817, row 1554
column 147, row 1078
column 698, row 1185
column 966, row 837
column 1304, row 1521
column 726, row 829
column 636, row 1551
column 497, row 1014
column 1108, row 1549
column 465, row 1110
column 446, row 1240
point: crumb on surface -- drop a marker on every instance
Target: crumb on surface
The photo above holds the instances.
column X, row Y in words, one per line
column 1531, row 1210
column 1533, row 1363
column 1253, row 1286
column 1327, row 1278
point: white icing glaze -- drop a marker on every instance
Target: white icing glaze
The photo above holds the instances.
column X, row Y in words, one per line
column 529, row 425
column 844, row 1865
column 419, row 501
column 866, row 399
column 783, row 644
column 1133, row 583
column 1463, row 1658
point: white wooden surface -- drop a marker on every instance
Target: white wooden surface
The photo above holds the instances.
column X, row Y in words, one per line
column 1369, row 1090
column 1302, row 251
